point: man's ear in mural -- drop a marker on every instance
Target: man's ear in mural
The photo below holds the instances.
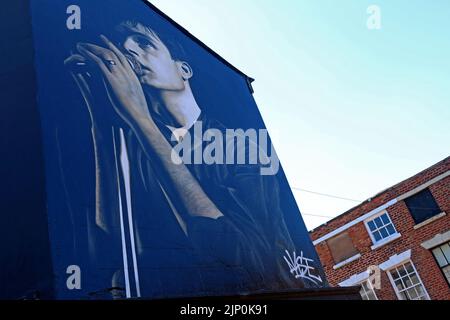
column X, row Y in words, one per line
column 186, row 70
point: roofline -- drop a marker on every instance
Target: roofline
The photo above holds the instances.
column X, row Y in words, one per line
column 378, row 194
column 198, row 41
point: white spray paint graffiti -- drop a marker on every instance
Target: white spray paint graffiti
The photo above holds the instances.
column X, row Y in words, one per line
column 300, row 267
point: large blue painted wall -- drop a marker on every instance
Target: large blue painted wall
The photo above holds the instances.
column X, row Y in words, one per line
column 51, row 218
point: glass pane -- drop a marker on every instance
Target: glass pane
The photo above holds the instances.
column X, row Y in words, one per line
column 390, row 229
column 399, row 285
column 378, row 222
column 412, row 294
column 395, row 274
column 371, row 295
column 420, row 291
column 403, row 296
column 446, row 250
column 402, row 271
column 385, row 219
column 409, row 268
column 372, row 226
column 364, row 286
column 440, row 257
column 384, row 233
column 414, row 278
column 377, row 236
column 408, row 282
column 447, row 273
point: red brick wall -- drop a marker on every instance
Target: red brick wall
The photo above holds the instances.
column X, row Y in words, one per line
column 430, row 273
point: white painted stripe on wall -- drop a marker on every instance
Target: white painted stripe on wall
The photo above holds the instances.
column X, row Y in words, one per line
column 125, row 164
column 122, row 227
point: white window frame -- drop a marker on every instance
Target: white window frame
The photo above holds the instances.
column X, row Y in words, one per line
column 369, row 284
column 382, row 242
column 447, row 278
column 391, row 279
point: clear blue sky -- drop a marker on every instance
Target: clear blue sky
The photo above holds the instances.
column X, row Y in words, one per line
column 352, row 111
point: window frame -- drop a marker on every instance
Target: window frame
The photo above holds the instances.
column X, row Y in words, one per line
column 383, row 241
column 437, row 262
column 369, row 284
column 347, row 260
column 394, row 286
column 439, row 211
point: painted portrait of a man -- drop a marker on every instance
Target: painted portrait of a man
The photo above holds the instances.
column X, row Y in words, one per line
column 223, row 220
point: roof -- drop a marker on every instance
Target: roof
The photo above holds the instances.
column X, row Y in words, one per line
column 195, row 39
column 378, row 194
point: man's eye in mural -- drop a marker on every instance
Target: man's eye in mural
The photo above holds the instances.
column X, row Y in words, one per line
column 144, row 43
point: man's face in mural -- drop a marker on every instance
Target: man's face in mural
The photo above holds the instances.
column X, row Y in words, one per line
column 153, row 62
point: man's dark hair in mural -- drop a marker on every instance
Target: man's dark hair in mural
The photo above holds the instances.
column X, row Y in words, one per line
column 221, row 221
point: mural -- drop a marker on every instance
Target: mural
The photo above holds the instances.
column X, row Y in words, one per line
column 161, row 178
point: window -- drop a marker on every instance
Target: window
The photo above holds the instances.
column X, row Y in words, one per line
column 407, row 283
column 381, row 228
column 367, row 292
column 422, row 206
column 442, row 255
column 342, row 247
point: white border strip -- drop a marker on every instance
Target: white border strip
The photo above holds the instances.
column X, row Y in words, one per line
column 346, row 262
column 122, row 227
column 396, row 260
column 355, row 279
column 125, row 164
column 436, row 241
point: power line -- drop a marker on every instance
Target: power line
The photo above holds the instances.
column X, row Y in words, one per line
column 326, row 195
column 317, row 215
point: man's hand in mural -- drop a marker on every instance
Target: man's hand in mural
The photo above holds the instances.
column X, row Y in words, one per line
column 124, row 89
column 127, row 96
column 82, row 78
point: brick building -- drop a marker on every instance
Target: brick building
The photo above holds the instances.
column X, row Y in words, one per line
column 396, row 244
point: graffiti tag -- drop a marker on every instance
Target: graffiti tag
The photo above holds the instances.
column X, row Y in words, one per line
column 300, row 267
